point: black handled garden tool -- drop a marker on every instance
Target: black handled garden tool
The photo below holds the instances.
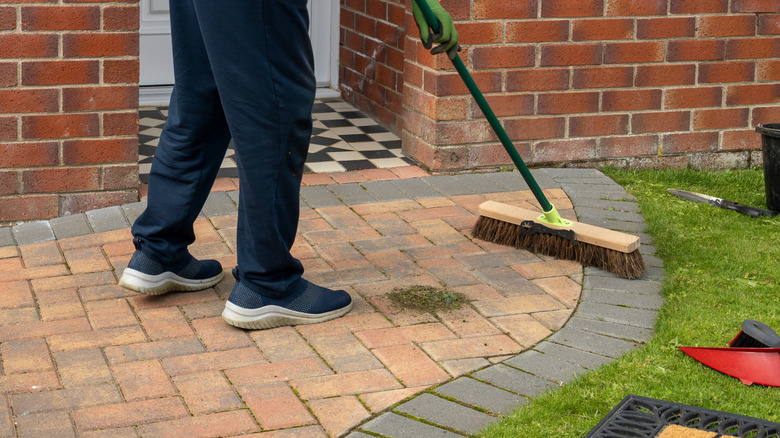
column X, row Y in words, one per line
column 548, row 233
column 722, row 203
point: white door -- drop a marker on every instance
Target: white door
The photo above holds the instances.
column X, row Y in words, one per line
column 156, row 78
column 324, row 33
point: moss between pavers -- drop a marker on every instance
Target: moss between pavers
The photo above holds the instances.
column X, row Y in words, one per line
column 427, row 299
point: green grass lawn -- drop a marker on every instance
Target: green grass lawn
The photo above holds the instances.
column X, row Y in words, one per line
column 721, row 268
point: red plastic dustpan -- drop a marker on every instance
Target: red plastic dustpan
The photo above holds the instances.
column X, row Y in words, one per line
column 750, row 365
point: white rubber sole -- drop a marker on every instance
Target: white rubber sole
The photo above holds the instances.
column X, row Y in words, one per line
column 163, row 283
column 267, row 317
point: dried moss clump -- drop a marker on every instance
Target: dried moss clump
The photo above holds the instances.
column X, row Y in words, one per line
column 426, row 299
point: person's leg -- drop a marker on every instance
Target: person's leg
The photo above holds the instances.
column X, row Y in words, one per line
column 191, row 148
column 262, row 61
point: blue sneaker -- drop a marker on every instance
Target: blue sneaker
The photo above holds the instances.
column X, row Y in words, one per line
column 312, row 304
column 148, row 276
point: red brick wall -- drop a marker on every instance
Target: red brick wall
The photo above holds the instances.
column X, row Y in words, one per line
column 372, row 57
column 639, row 83
column 68, row 106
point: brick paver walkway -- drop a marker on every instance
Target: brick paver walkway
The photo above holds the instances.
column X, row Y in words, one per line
column 82, row 356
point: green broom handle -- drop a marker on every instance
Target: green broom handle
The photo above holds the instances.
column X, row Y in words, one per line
column 489, row 114
column 501, row 133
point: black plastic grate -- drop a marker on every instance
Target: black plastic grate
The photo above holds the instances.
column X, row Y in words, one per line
column 640, row 417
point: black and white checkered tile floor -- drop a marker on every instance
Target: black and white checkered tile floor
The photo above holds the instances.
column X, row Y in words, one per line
column 343, row 139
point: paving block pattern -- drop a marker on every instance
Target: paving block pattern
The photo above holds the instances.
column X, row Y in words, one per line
column 82, row 356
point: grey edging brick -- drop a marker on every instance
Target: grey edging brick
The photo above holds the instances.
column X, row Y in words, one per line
column 592, row 342
column 448, row 185
column 480, row 394
column 73, row 225
column 107, row 219
column 576, row 356
column 478, row 183
column 515, row 380
column 319, row 196
column 620, row 331
column 618, row 314
column 6, row 237
column 627, row 206
column 625, row 299
column 360, row 435
column 32, row 232
column 397, row 426
column 508, row 181
column 219, row 204
column 546, row 367
column 544, row 180
column 233, row 195
column 595, row 335
column 568, row 173
column 446, row 413
column 384, row 191
column 132, row 211
column 352, row 194
column 615, row 284
column 415, row 188
column 607, row 214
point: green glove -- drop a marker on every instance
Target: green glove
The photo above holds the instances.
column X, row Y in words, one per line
column 447, row 35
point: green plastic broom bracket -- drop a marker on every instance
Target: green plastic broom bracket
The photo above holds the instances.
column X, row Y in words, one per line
column 552, row 217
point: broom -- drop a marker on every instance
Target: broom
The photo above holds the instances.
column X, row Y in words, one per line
column 547, row 234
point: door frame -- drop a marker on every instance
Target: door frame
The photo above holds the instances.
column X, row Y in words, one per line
column 331, row 89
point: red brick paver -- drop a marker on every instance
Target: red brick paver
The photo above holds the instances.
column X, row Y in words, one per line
column 83, row 357
column 276, row 406
column 339, row 414
column 207, row 392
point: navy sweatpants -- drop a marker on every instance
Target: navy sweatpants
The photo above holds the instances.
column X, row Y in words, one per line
column 244, row 69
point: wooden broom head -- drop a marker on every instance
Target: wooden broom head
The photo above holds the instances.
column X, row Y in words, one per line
column 608, row 250
column 593, row 235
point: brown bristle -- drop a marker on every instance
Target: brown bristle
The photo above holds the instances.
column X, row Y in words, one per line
column 625, row 265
